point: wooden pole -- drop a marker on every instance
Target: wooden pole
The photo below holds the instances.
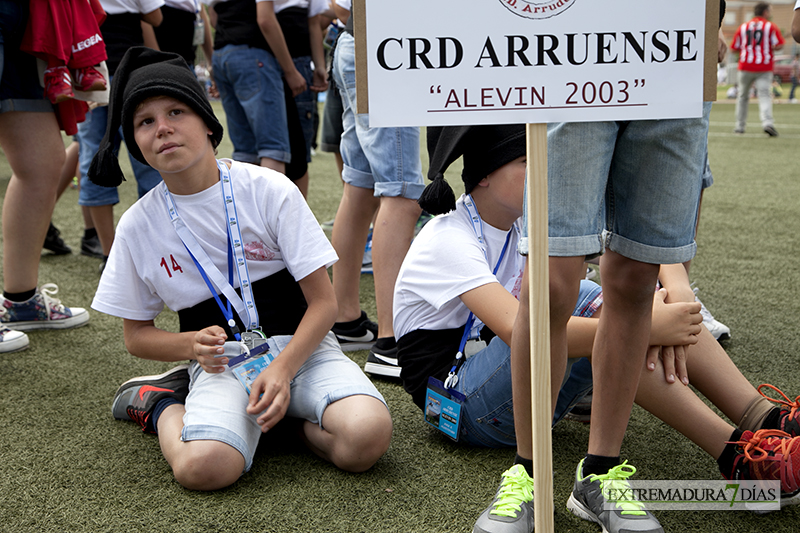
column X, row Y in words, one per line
column 538, row 276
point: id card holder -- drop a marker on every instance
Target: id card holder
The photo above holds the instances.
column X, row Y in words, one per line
column 443, row 408
column 247, row 366
column 199, row 36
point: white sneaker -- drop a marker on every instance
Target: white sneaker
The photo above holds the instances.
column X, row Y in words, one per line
column 12, row 341
column 718, row 330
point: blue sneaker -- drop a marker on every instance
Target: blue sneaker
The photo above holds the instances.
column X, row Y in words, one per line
column 42, row 311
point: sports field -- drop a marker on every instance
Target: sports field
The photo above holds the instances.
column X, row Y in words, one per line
column 67, row 465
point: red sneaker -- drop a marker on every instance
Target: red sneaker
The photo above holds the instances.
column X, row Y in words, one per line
column 89, row 79
column 770, row 454
column 790, row 416
column 58, row 84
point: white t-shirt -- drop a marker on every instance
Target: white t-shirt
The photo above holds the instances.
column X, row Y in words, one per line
column 192, row 6
column 797, row 5
column 149, row 266
column 445, row 261
column 347, row 4
column 315, row 7
column 118, row 7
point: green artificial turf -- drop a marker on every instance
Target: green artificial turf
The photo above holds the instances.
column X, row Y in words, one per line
column 67, row 465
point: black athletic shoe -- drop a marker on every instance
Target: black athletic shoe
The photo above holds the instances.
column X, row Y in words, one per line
column 91, row 247
column 771, row 131
column 137, row 397
column 360, row 334
column 382, row 362
column 54, row 242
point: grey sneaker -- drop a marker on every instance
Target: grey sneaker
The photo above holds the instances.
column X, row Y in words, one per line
column 137, row 398
column 588, row 502
column 511, row 511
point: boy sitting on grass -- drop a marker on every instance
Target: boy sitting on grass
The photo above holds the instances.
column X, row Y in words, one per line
column 208, row 219
column 457, row 292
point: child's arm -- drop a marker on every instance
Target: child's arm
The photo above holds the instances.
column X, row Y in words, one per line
column 273, row 384
column 143, row 339
column 320, row 80
column 271, row 29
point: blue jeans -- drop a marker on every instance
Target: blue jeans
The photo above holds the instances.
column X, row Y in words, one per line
column 250, row 83
column 487, row 416
column 384, row 159
column 90, row 133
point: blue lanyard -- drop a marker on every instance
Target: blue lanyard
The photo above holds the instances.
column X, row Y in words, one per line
column 477, row 226
column 235, row 250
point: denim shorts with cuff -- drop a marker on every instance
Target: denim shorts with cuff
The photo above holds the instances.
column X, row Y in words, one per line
column 487, row 416
column 250, row 83
column 215, row 406
column 386, row 160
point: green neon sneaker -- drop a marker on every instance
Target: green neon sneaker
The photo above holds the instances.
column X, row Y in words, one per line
column 511, row 511
column 588, row 501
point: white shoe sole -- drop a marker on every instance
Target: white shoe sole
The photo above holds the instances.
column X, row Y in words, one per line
column 382, row 370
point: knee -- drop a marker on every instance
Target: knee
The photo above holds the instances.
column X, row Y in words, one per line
column 208, row 465
column 362, row 440
column 631, row 280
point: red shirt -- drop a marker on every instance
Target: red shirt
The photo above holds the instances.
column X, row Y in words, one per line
column 756, row 40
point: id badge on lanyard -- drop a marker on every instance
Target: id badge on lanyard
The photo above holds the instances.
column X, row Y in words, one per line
column 443, row 408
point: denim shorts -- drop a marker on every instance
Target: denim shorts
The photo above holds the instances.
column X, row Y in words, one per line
column 384, row 159
column 20, row 89
column 215, row 406
column 250, row 83
column 630, row 186
column 487, row 416
column 90, row 134
column 331, row 135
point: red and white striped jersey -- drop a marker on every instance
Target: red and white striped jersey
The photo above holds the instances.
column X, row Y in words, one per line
column 755, row 41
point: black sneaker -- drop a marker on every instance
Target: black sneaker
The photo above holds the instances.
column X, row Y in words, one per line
column 359, row 334
column 382, row 362
column 136, row 398
column 54, row 242
column 771, row 131
column 91, row 247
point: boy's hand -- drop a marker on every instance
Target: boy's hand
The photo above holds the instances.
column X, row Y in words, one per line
column 269, row 395
column 673, row 359
column 674, row 324
column 208, row 343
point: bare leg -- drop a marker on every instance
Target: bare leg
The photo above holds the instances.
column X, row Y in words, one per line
column 103, row 220
column 280, row 166
column 357, row 433
column 565, row 276
column 349, row 239
column 679, row 407
column 391, row 237
column 713, row 373
column 339, row 162
column 619, row 348
column 35, row 151
column 521, row 373
column 198, row 464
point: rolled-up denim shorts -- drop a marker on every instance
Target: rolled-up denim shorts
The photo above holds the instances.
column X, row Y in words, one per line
column 631, row 186
column 215, row 406
column 384, row 159
column 487, row 416
column 250, row 83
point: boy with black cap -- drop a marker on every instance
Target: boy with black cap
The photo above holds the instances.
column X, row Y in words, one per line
column 175, row 245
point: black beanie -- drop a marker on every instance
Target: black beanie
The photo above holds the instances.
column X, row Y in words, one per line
column 484, row 148
column 144, row 73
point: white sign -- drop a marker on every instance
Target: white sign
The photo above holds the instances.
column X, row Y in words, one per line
column 452, row 62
